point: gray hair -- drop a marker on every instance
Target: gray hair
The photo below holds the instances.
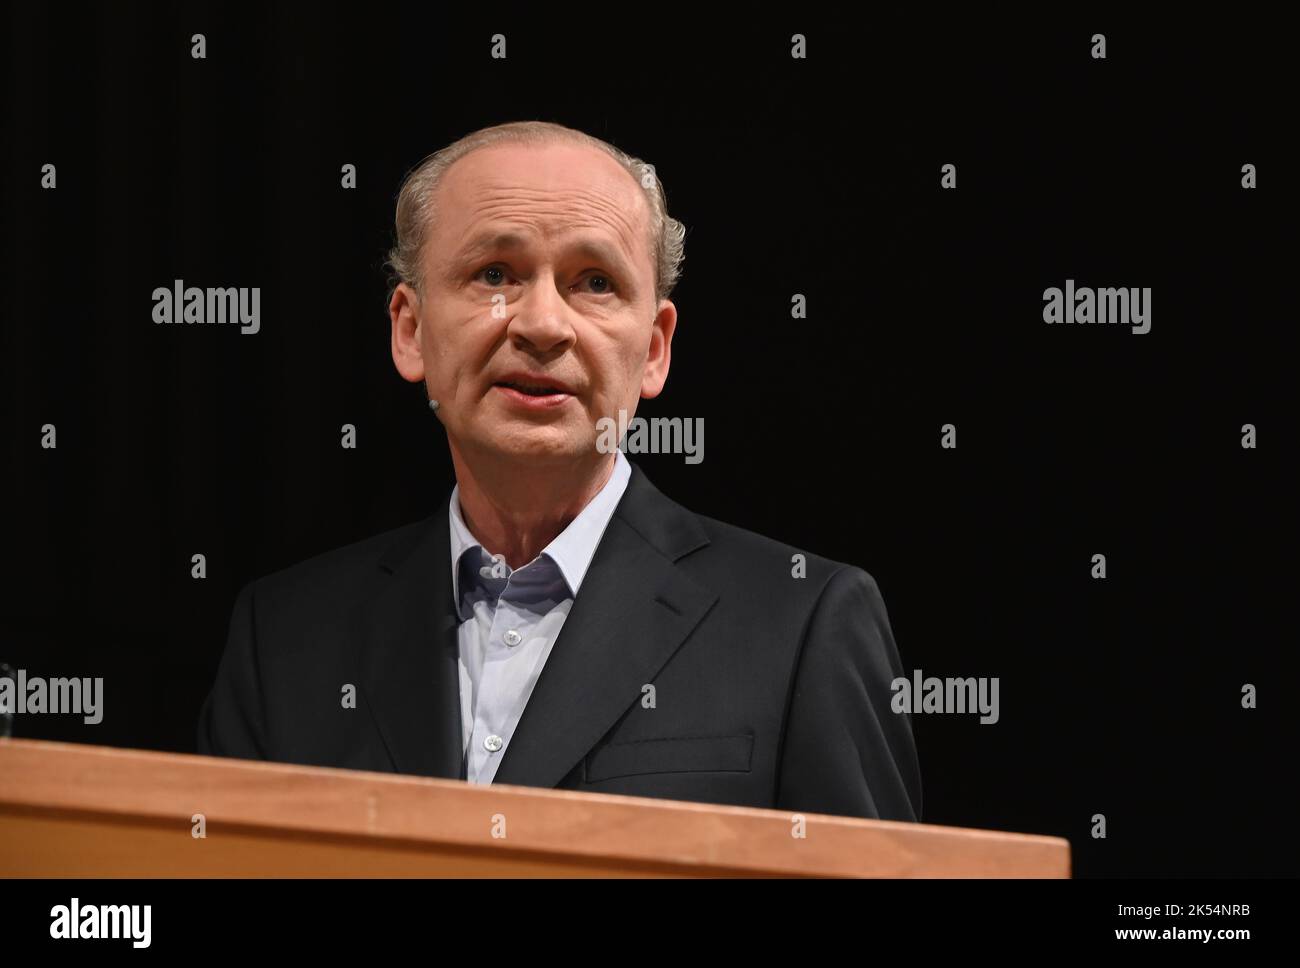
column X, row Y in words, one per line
column 415, row 212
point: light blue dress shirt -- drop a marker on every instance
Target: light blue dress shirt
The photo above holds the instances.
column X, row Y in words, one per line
column 509, row 619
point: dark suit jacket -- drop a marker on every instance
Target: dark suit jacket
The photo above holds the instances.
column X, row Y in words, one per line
column 769, row 690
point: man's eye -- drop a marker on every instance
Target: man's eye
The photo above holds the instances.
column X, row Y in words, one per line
column 493, row 275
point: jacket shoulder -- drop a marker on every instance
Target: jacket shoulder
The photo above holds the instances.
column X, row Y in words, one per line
column 346, row 566
column 746, row 550
column 720, row 551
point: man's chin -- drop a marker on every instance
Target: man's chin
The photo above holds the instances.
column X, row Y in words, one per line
column 538, row 446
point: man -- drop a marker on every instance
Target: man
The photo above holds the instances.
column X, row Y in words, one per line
column 559, row 622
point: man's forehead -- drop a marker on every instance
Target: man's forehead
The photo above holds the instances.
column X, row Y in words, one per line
column 552, row 189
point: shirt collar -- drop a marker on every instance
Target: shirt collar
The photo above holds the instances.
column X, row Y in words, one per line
column 572, row 549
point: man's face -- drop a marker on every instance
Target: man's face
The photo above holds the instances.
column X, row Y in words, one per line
column 538, row 272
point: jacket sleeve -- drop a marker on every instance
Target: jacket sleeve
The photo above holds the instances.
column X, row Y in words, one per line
column 231, row 722
column 844, row 750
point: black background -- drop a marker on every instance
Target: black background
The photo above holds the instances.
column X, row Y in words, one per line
column 819, row 177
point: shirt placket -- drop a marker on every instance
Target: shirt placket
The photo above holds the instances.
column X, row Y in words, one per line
column 505, row 635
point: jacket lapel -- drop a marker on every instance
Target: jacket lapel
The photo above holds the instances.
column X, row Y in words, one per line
column 633, row 611
column 410, row 677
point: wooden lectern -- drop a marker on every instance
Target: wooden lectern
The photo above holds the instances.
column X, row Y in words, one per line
column 68, row 810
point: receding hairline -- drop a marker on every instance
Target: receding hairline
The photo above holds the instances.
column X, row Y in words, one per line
column 417, row 212
column 545, row 140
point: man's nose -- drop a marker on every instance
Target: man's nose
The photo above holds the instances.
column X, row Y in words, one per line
column 542, row 316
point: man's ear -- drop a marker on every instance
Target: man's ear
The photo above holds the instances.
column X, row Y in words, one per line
column 404, row 311
column 660, row 353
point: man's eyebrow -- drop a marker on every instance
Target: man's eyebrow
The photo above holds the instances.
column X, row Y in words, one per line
column 601, row 251
column 490, row 241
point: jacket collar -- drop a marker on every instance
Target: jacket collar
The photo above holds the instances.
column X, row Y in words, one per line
column 634, row 610
column 571, row 550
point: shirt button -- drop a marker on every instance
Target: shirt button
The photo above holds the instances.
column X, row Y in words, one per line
column 492, row 743
column 513, row 638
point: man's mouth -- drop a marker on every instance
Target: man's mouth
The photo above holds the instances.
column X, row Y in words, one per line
column 532, row 391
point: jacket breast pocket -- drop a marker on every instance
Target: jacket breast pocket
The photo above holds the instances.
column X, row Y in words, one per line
column 671, row 754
